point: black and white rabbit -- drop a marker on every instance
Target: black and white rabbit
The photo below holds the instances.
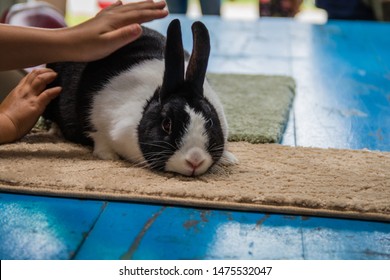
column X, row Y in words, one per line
column 140, row 104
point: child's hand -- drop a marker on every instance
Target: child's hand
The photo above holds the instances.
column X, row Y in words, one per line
column 112, row 28
column 25, row 104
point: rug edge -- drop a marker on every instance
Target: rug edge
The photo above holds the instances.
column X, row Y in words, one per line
column 198, row 203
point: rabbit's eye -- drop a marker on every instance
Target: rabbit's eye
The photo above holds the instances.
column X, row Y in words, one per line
column 167, row 125
column 209, row 124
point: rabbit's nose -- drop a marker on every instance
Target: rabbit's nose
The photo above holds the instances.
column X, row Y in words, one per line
column 195, row 158
column 194, row 164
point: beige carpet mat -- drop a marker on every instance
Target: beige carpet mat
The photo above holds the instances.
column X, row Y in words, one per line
column 269, row 177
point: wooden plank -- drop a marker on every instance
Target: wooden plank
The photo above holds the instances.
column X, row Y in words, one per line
column 155, row 232
column 342, row 99
column 119, row 231
column 34, row 227
column 333, row 239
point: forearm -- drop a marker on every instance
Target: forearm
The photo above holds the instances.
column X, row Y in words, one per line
column 22, row 47
column 7, row 130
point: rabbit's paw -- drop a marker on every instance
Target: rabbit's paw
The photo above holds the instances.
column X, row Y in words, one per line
column 228, row 158
column 105, row 154
column 103, row 150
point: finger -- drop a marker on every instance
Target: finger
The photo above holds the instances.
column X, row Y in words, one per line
column 42, row 80
column 24, row 80
column 30, row 77
column 116, row 4
column 112, row 6
column 140, row 16
column 119, row 8
column 48, row 95
column 145, row 5
column 124, row 35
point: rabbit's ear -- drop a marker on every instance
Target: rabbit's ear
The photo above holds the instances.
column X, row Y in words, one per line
column 174, row 60
column 197, row 66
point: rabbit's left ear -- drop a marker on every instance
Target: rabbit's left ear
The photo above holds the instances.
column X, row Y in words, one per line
column 174, row 60
column 197, row 66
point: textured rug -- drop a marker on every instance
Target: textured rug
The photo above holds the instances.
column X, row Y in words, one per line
column 257, row 107
column 269, row 178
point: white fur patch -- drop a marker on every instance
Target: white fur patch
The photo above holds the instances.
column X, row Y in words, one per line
column 213, row 98
column 118, row 107
column 192, row 150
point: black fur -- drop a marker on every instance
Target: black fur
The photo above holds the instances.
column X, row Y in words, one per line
column 153, row 139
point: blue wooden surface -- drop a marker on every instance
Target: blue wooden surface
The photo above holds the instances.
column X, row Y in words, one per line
column 342, row 70
column 33, row 227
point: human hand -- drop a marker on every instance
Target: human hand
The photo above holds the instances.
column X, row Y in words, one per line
column 112, row 28
column 25, row 104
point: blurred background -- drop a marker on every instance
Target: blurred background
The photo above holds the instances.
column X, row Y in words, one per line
column 229, row 9
column 311, row 11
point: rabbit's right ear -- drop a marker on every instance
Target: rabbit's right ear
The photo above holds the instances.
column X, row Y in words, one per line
column 174, row 60
column 197, row 66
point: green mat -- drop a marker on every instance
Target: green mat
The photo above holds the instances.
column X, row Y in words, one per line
column 257, row 106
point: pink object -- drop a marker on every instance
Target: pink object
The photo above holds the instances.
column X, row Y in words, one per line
column 35, row 14
column 104, row 4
